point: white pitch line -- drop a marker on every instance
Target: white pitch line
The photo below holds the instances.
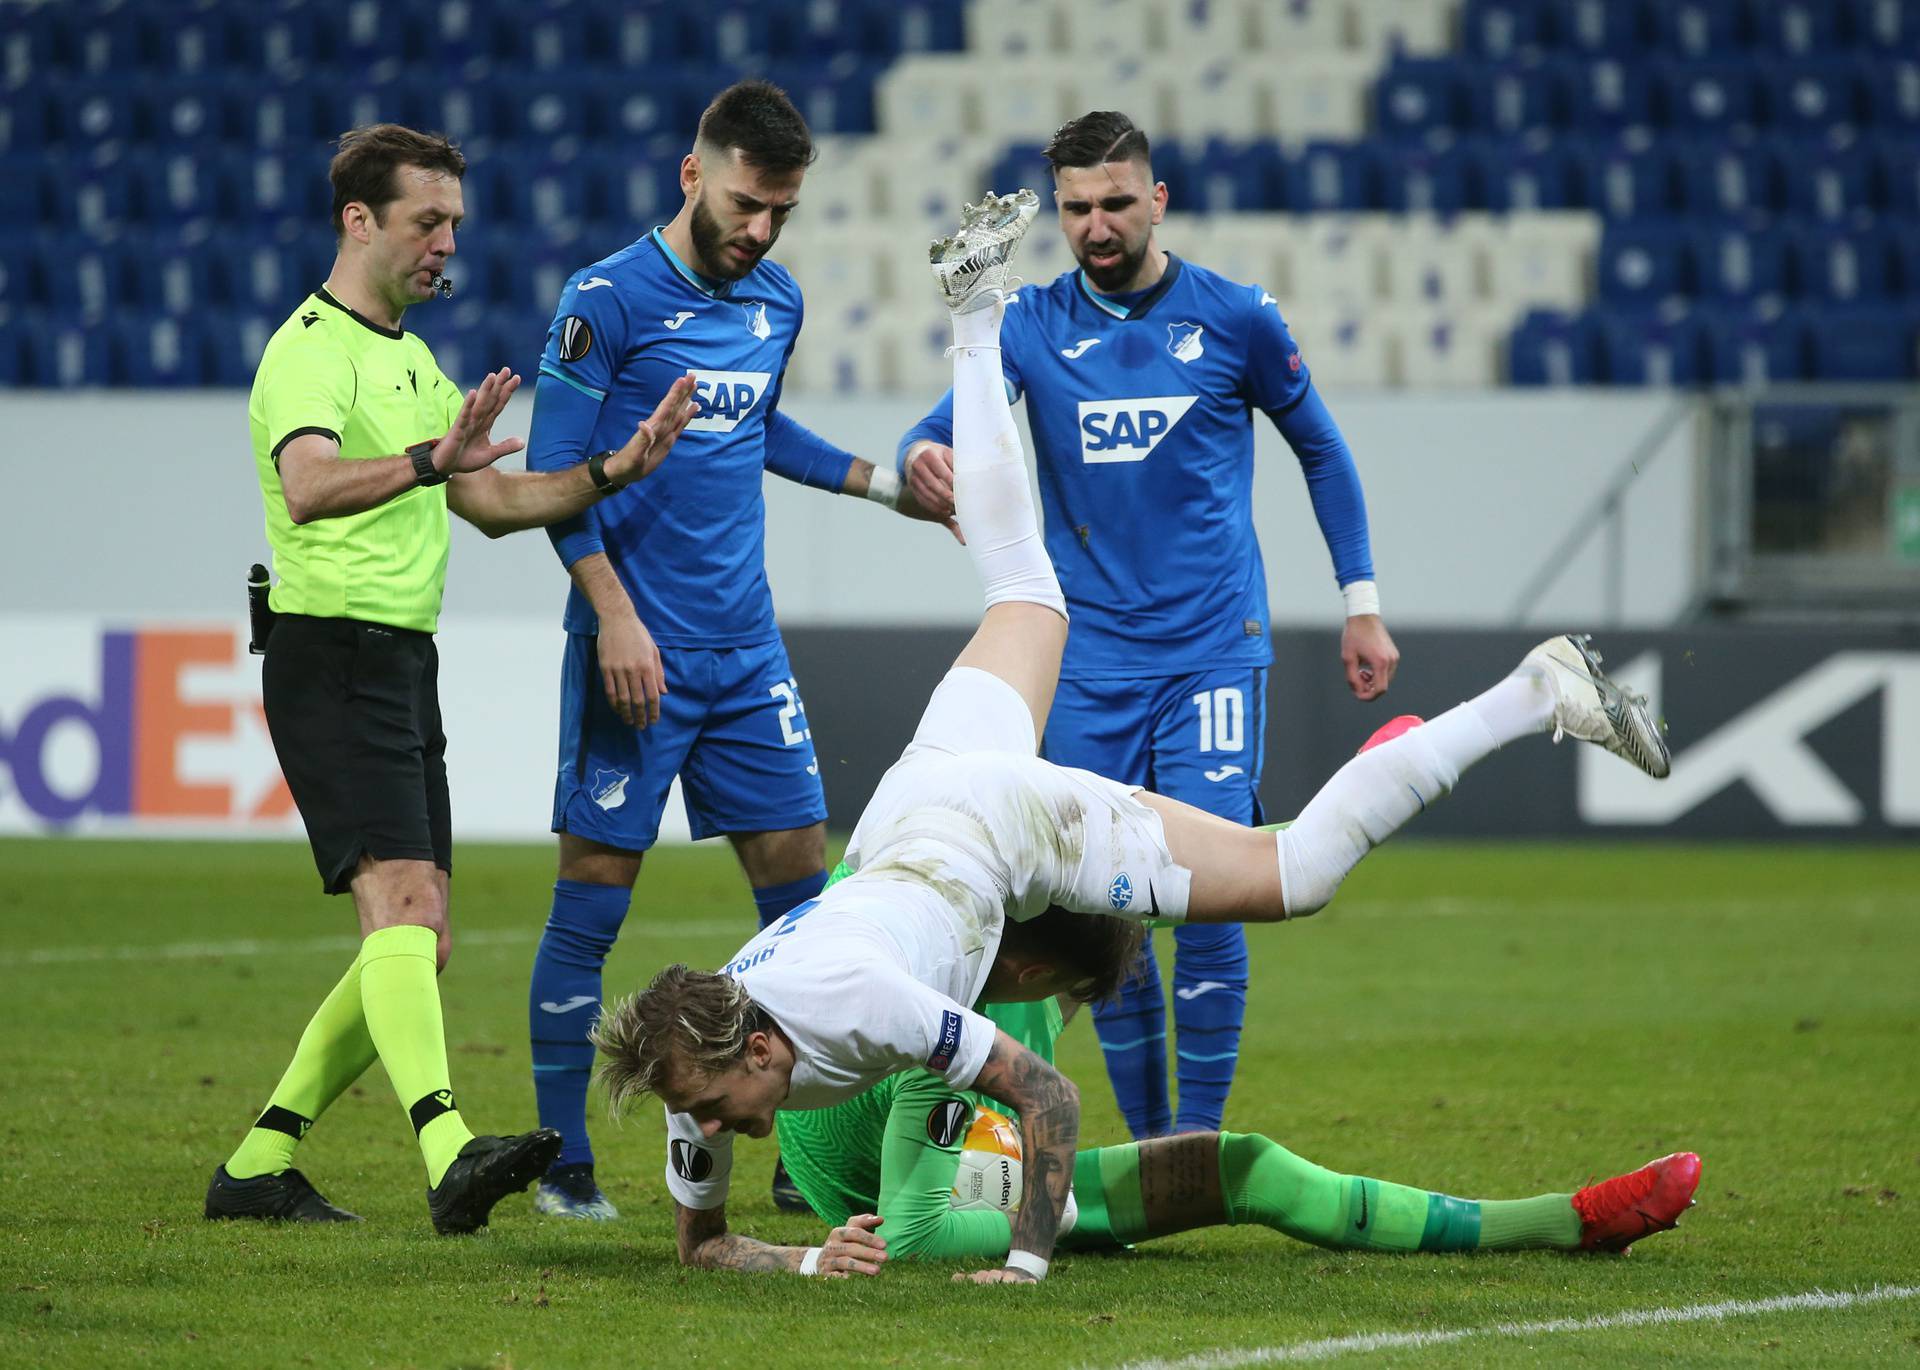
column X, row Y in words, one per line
column 1328, row 1347
column 276, row 946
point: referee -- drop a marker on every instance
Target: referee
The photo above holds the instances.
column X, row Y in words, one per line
column 362, row 446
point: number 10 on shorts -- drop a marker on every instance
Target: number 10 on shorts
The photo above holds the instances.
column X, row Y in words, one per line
column 1222, row 715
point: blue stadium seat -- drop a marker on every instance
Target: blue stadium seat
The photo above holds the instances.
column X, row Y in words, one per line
column 1897, row 170
column 170, row 271
column 1709, row 97
column 522, row 187
column 839, row 100
column 661, row 104
column 91, row 190
column 270, row 187
column 1651, row 347
column 1740, row 263
column 1417, row 96
column 284, row 39
column 1606, row 95
column 1504, row 29
column 1893, row 94
column 1873, row 343
column 1800, row 28
column 87, row 113
column 1701, row 28
column 1828, row 179
column 172, row 184
column 277, row 116
column 1846, row 265
column 1522, row 174
column 542, row 109
column 1905, row 248
column 1513, row 98
column 1331, row 176
column 19, row 276
column 886, row 28
column 1814, row 96
column 635, row 189
column 189, row 41
column 1224, row 176
column 1600, row 28
column 1551, row 348
column 150, row 350
column 1889, row 28
column 644, row 39
column 547, row 36
column 1644, row 263
column 63, row 351
column 1418, row 180
column 1719, row 176
column 24, row 127
column 1625, row 179
column 108, row 41
column 1755, row 347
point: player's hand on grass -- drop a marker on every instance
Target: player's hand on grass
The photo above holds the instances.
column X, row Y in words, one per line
column 1004, row 1275
column 631, row 670
column 655, row 436
column 469, row 444
column 1369, row 654
column 855, row 1249
column 929, row 472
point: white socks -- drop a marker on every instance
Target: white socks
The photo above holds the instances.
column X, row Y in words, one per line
column 992, row 502
column 1374, row 795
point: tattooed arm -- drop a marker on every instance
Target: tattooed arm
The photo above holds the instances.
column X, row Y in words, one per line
column 1049, row 1109
column 705, row 1244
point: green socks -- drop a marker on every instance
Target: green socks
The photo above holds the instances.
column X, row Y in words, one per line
column 333, row 1052
column 1263, row 1182
column 402, row 1004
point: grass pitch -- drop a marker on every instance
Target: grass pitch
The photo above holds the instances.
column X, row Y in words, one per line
column 1488, row 1020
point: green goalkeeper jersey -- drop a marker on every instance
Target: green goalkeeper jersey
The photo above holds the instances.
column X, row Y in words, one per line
column 894, row 1150
column 376, row 391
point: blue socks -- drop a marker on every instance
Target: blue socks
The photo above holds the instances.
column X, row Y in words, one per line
column 774, row 900
column 1209, row 1005
column 1133, row 1035
column 564, row 1002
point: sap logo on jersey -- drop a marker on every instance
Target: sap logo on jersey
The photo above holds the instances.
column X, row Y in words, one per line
column 1128, row 430
column 726, row 397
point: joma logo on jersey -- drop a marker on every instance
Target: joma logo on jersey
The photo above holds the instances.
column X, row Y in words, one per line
column 726, row 397
column 1128, row 430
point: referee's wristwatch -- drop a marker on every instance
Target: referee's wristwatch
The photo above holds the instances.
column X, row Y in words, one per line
column 597, row 469
column 424, row 473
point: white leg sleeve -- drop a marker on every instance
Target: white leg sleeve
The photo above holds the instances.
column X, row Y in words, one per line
column 992, row 501
column 1374, row 795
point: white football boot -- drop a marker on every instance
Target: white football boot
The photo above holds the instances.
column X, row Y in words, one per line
column 973, row 267
column 1589, row 706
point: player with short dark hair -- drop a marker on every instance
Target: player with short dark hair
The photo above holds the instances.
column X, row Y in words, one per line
column 361, row 446
column 970, row 829
column 674, row 665
column 1140, row 371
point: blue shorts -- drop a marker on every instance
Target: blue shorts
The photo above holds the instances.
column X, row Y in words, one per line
column 732, row 727
column 1197, row 738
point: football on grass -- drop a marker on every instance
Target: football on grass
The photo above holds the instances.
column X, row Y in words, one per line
column 989, row 1174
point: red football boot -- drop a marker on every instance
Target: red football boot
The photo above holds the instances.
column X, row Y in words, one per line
column 1616, row 1213
column 1391, row 729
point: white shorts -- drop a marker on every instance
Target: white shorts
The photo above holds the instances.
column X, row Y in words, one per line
column 969, row 801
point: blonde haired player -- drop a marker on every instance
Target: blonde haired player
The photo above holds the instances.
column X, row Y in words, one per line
column 970, row 828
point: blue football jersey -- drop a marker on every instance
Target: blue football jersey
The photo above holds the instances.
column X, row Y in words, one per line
column 1141, row 420
column 688, row 542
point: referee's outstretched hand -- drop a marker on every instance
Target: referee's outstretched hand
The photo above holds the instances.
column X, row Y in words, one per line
column 469, row 444
column 656, row 434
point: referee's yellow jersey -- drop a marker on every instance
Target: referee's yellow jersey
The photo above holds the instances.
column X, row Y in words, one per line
column 377, row 391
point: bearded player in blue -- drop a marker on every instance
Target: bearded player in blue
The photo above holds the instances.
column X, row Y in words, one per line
column 1140, row 373
column 674, row 664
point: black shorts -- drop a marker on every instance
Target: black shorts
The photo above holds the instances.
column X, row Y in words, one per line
column 354, row 709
